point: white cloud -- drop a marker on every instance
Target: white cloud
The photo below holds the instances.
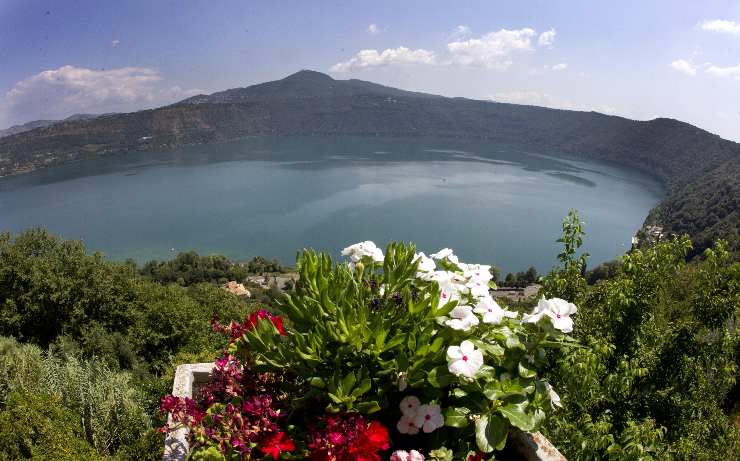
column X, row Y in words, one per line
column 115, row 43
column 556, row 67
column 547, row 38
column 392, row 56
column 373, row 29
column 536, row 98
column 459, row 33
column 493, row 50
column 724, row 72
column 721, row 25
column 67, row 90
column 683, row 66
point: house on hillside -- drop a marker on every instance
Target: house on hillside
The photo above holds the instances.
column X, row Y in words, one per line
column 236, row 288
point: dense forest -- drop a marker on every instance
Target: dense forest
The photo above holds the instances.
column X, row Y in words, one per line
column 89, row 346
column 700, row 170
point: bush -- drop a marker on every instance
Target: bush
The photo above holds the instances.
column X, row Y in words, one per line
column 37, row 426
column 106, row 406
column 656, row 377
column 52, row 292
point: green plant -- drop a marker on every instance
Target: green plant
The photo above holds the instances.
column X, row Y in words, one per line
column 408, row 340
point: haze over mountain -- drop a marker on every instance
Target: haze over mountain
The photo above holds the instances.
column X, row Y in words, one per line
column 701, row 171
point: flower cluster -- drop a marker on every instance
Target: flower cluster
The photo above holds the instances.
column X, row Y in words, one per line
column 361, row 250
column 348, row 437
column 364, row 343
column 237, row 410
column 557, row 310
column 235, row 329
column 416, row 417
column 466, row 284
column 403, row 455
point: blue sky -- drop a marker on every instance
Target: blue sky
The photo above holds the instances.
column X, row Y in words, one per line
column 639, row 59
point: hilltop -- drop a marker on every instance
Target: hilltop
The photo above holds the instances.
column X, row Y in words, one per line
column 699, row 169
column 28, row 126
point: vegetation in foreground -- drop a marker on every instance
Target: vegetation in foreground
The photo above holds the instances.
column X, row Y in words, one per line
column 654, row 376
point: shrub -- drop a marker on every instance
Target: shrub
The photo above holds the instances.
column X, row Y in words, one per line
column 656, row 376
column 105, row 405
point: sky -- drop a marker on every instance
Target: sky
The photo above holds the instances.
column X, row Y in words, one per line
column 637, row 59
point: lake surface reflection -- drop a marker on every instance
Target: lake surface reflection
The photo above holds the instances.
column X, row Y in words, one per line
column 494, row 204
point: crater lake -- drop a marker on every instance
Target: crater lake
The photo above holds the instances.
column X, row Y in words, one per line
column 271, row 196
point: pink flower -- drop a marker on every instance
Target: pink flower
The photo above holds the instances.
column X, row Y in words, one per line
column 429, row 417
column 407, row 425
column 409, row 405
column 403, row 455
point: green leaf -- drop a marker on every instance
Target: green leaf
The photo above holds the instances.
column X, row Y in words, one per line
column 364, row 386
column 411, row 343
column 348, row 382
column 440, row 377
column 459, row 393
column 380, row 338
column 317, row 382
column 456, row 417
column 437, row 344
column 395, row 341
column 517, row 415
column 499, row 390
column 335, row 398
column 368, row 407
column 525, row 372
column 446, row 309
column 490, row 433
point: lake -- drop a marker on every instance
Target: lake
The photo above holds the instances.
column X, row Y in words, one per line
column 271, row 196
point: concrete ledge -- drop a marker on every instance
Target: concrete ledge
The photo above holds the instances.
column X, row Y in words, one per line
column 187, row 379
column 533, row 446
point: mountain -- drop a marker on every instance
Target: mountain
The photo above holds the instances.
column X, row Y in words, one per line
column 692, row 163
column 15, row 129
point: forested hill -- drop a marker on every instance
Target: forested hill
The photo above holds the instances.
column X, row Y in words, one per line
column 695, row 165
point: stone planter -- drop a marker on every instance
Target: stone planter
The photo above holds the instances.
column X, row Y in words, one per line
column 525, row 446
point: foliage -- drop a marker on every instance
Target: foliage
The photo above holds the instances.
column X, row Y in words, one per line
column 365, row 343
column 660, row 361
column 37, row 426
column 52, row 292
column 93, row 404
column 190, row 268
column 521, row 279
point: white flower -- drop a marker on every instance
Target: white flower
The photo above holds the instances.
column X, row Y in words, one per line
column 491, row 311
column 402, row 455
column 407, row 425
column 429, row 417
column 357, row 251
column 462, row 318
column 559, row 311
column 477, row 272
column 445, row 253
column 426, row 264
column 409, row 405
column 477, row 288
column 554, row 397
column 464, row 360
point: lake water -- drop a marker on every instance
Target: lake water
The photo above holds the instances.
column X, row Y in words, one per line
column 493, row 204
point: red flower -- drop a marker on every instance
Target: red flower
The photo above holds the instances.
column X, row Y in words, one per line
column 476, row 457
column 348, row 437
column 255, row 317
column 275, row 444
column 373, row 439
